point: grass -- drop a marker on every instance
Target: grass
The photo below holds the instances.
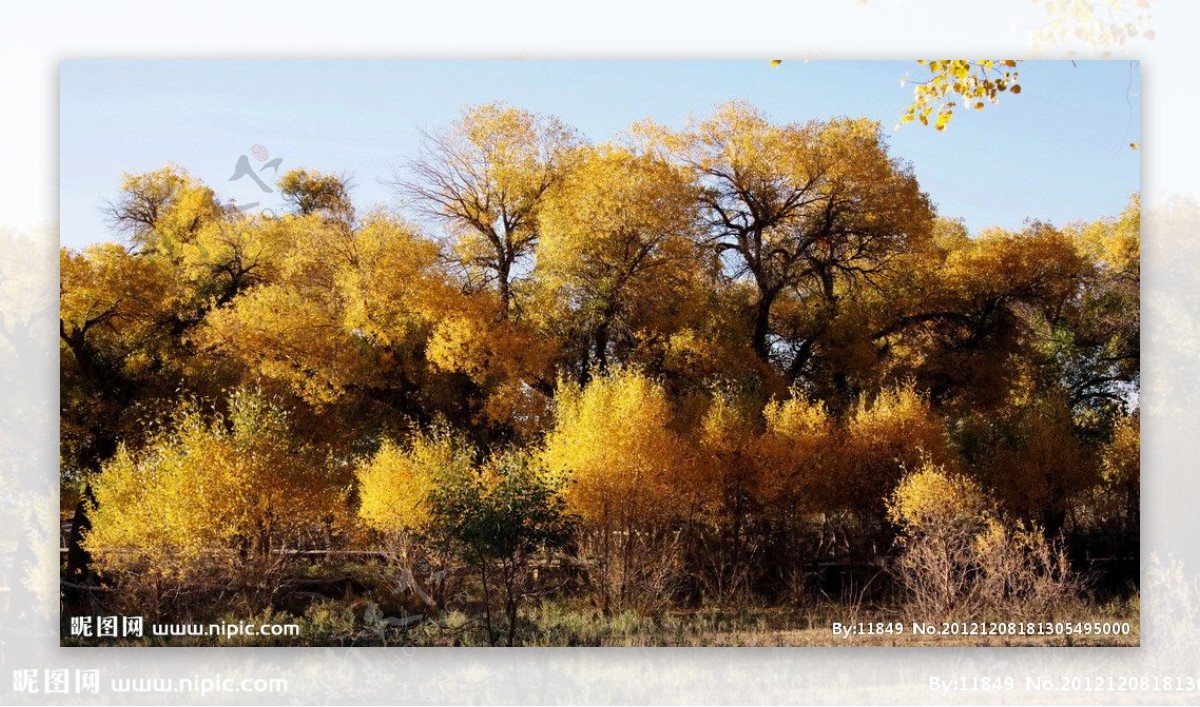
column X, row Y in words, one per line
column 574, row 622
column 558, row 624
column 379, row 618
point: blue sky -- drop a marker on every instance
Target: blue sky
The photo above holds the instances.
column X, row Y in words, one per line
column 1057, row 152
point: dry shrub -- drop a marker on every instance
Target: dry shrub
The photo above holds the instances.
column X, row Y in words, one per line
column 411, row 574
column 959, row 558
column 177, row 585
column 721, row 567
column 638, row 570
column 1021, row 572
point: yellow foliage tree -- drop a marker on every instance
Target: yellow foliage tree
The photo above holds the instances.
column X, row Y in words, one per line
column 887, row 434
column 311, row 192
column 613, row 445
column 726, row 494
column 349, row 309
column 161, row 210
column 729, row 467
column 1033, row 459
column 211, row 494
column 798, row 453
column 617, row 248
column 613, row 441
column 963, row 324
column 115, row 333
column 929, row 496
column 801, row 210
column 1115, row 242
column 511, row 362
column 485, row 178
column 1098, row 347
column 111, row 303
column 1120, row 472
column 756, row 330
column 1121, row 459
column 394, row 484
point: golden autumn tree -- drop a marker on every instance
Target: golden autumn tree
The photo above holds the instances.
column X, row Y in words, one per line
column 965, row 327
column 613, row 440
column 613, row 444
column 1096, row 343
column 799, row 457
column 1121, row 459
column 510, row 364
column 311, row 192
column 110, row 305
column 171, row 217
column 726, row 492
column 129, row 311
column 942, row 517
column 349, row 311
column 728, row 476
column 484, row 179
column 210, row 496
column 886, row 434
column 804, row 210
column 112, row 341
column 617, row 251
column 1033, row 458
column 394, row 483
column 930, row 496
column 1121, row 481
column 159, row 211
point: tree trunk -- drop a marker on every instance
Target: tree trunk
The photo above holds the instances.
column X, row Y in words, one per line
column 762, row 326
column 487, row 602
column 504, row 286
column 600, row 347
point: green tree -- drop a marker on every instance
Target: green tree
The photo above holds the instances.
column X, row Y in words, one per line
column 498, row 518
